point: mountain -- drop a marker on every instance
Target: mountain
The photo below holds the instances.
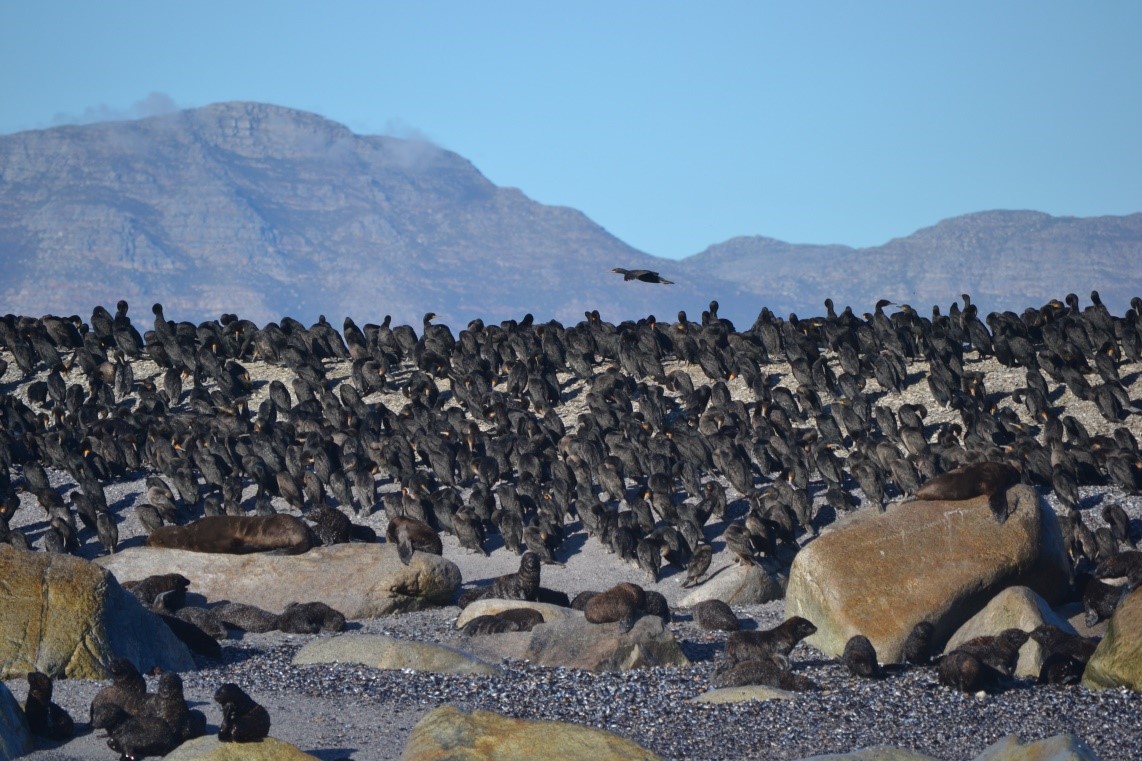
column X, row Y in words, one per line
column 267, row 211
column 1004, row 259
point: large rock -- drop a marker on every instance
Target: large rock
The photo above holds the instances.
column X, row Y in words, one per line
column 209, row 748
column 447, row 733
column 736, row 585
column 494, row 605
column 67, row 617
column 383, row 652
column 15, row 738
column 1057, row 748
column 359, row 580
column 1013, row 608
column 879, row 574
column 573, row 642
column 742, row 694
column 1117, row 662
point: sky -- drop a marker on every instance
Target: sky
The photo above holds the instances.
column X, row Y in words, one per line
column 673, row 125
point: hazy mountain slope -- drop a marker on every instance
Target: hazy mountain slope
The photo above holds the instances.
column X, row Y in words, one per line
column 267, row 211
column 1004, row 259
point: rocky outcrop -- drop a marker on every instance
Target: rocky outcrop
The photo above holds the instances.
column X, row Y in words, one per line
column 1117, row 662
column 492, row 606
column 448, row 732
column 383, row 652
column 1013, row 608
column 1066, row 747
column 67, row 617
column 15, row 738
column 880, row 574
column 742, row 694
column 736, row 585
column 573, row 642
column 209, row 748
column 359, row 580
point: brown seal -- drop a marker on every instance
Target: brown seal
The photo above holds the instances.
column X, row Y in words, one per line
column 237, row 535
column 781, row 639
column 243, row 720
column 623, row 602
column 981, row 479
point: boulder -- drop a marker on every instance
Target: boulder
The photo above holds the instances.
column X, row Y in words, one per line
column 879, row 574
column 742, row 694
column 1057, row 748
column 210, row 748
column 573, row 642
column 1013, row 608
column 1117, row 662
column 447, row 732
column 494, row 605
column 15, row 738
column 359, row 580
column 736, row 585
column 381, row 652
column 66, row 617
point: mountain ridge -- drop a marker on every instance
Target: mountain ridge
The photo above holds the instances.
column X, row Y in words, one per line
column 265, row 211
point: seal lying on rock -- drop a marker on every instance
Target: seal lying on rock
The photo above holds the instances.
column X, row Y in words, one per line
column 237, row 535
column 512, row 620
column 990, row 479
column 410, row 534
column 623, row 602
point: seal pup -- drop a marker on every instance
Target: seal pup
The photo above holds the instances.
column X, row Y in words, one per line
column 715, row 615
column 999, row 651
column 45, row 718
column 237, row 535
column 990, row 479
column 623, row 602
column 512, row 620
column 123, row 698
column 243, row 720
column 773, row 670
column 310, row 618
column 781, row 639
column 917, row 648
column 859, row 657
column 965, row 672
column 142, row 736
column 169, row 704
column 247, row 618
column 410, row 534
column 521, row 585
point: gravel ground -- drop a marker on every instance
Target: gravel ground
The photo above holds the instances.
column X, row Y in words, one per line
column 355, row 712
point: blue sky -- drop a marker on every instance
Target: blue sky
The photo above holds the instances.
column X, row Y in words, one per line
column 674, row 125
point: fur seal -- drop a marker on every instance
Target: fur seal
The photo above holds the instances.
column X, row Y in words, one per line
column 243, row 720
column 773, row 670
column 967, row 673
column 999, row 651
column 206, row 620
column 1055, row 640
column 142, row 737
column 410, row 534
column 781, row 639
column 580, row 601
column 917, row 648
column 45, row 718
column 521, row 585
column 310, row 618
column 169, row 704
column 623, row 603
column 247, row 618
column 990, row 479
column 124, row 697
column 149, row 589
column 512, row 620
column 859, row 657
column 715, row 615
column 237, row 535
